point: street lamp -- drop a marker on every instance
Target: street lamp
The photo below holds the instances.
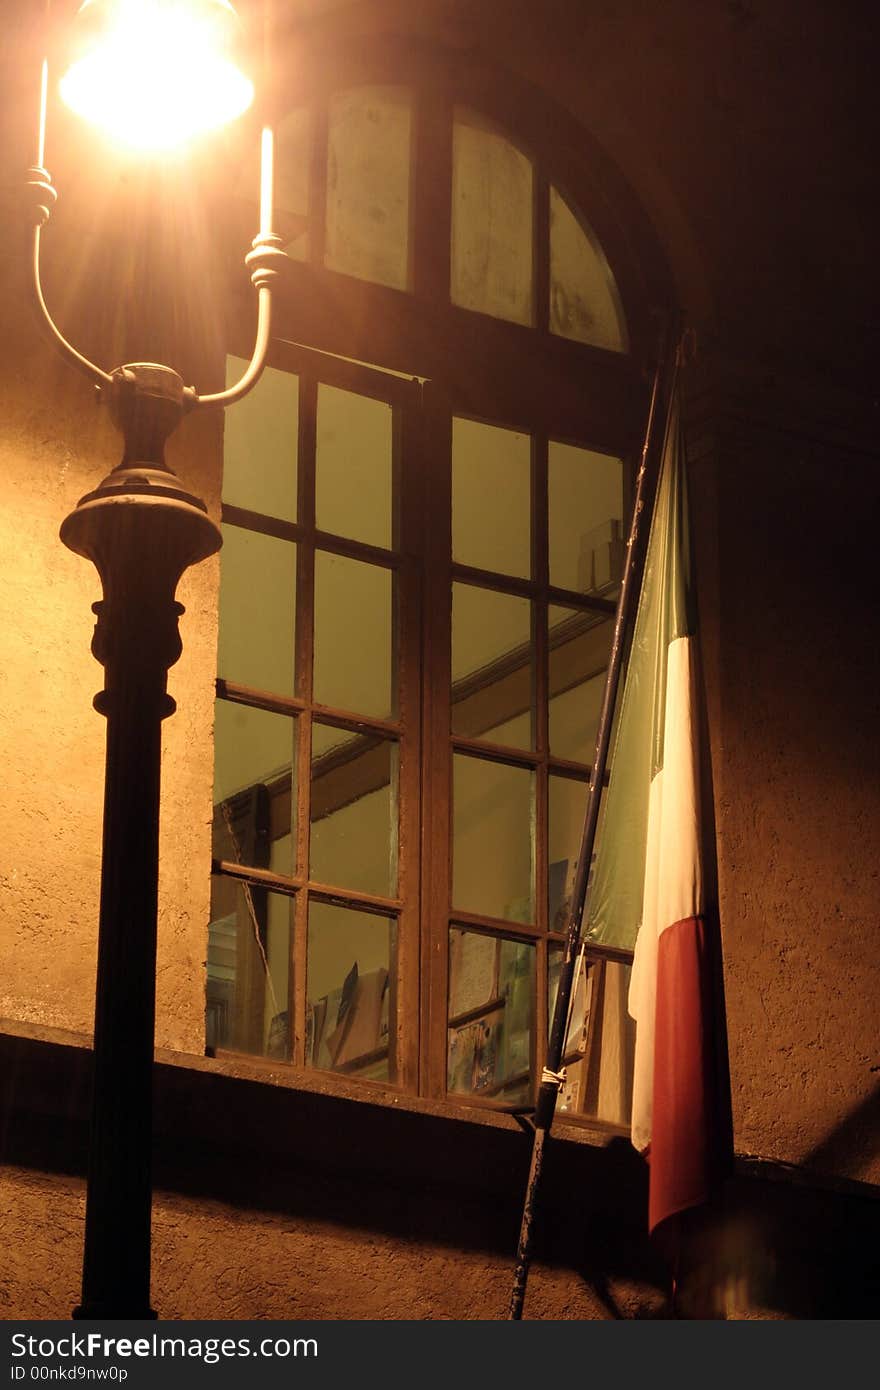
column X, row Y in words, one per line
column 154, row 72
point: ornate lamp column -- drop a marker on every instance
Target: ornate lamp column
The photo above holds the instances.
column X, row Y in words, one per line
column 142, row 529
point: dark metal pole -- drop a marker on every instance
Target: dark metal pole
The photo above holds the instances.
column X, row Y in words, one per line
column 142, row 530
column 643, row 508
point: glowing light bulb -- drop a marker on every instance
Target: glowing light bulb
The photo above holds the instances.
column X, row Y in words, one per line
column 156, row 75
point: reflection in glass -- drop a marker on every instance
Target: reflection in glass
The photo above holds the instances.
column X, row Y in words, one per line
column 568, row 804
column 577, row 1036
column 492, row 666
column 353, row 842
column 349, row 991
column 353, row 466
column 368, row 183
column 248, row 969
column 491, row 478
column 579, row 644
column 493, row 855
column 586, row 530
column 491, row 221
column 600, row 1039
column 257, row 609
column 260, row 443
column 254, row 801
column 353, row 636
column 584, row 303
column 491, row 991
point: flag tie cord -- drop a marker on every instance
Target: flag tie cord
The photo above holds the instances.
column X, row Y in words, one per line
column 553, row 1078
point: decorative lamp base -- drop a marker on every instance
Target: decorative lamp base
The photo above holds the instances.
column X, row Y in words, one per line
column 141, row 530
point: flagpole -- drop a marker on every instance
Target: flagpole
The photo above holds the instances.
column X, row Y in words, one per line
column 640, row 527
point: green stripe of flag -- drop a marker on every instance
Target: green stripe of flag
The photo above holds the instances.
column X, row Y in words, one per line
column 665, row 612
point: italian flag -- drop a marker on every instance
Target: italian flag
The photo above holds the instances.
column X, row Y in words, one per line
column 650, row 888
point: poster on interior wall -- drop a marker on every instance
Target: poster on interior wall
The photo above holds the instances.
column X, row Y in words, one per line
column 580, row 1003
column 473, row 1054
column 349, row 1026
column 559, row 894
column 473, row 971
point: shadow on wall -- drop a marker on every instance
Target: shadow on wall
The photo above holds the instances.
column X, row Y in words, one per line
column 792, row 1243
column 852, row 1143
column 785, row 1246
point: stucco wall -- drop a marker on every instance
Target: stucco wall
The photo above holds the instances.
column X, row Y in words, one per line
column 726, row 121
column 798, row 785
column 55, row 445
column 214, row 1261
column 347, row 1209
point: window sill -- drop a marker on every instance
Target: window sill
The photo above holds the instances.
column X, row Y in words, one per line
column 374, row 1093
column 264, row 1114
column 72, row 1051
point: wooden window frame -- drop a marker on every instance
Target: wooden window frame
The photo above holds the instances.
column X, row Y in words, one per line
column 310, row 369
column 458, row 363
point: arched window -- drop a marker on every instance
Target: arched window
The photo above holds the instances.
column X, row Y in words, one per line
column 423, row 508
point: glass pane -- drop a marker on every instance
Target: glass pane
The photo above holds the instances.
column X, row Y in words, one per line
column 368, row 180
column 257, row 610
column 491, row 498
column 584, row 303
column 579, row 647
column 248, row 969
column 354, row 812
column 254, row 801
column 578, row 1032
column 492, row 839
column 491, row 222
column 293, row 162
column 586, row 510
column 260, row 443
column 492, row 666
column 353, row 636
column 491, row 991
column 568, row 804
column 353, row 466
column 609, row 1093
column 600, row 1041
column 349, row 1011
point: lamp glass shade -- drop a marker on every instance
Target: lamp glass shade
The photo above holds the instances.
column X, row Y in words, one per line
column 154, row 74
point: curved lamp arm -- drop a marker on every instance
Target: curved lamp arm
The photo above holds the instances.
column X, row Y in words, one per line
column 261, row 277
column 264, row 261
column 44, row 196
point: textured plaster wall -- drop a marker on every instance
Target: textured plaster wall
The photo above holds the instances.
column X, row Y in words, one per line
column 52, row 741
column 213, row 1261
column 798, row 786
column 56, row 445
column 348, row 1208
column 742, row 129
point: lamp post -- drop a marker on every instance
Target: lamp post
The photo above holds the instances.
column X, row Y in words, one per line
column 142, row 529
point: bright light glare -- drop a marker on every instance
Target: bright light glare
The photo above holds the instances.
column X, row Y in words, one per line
column 156, row 79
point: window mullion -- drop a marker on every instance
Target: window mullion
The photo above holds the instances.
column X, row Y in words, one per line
column 436, row 755
column 305, row 654
column 541, row 574
column 408, row 474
